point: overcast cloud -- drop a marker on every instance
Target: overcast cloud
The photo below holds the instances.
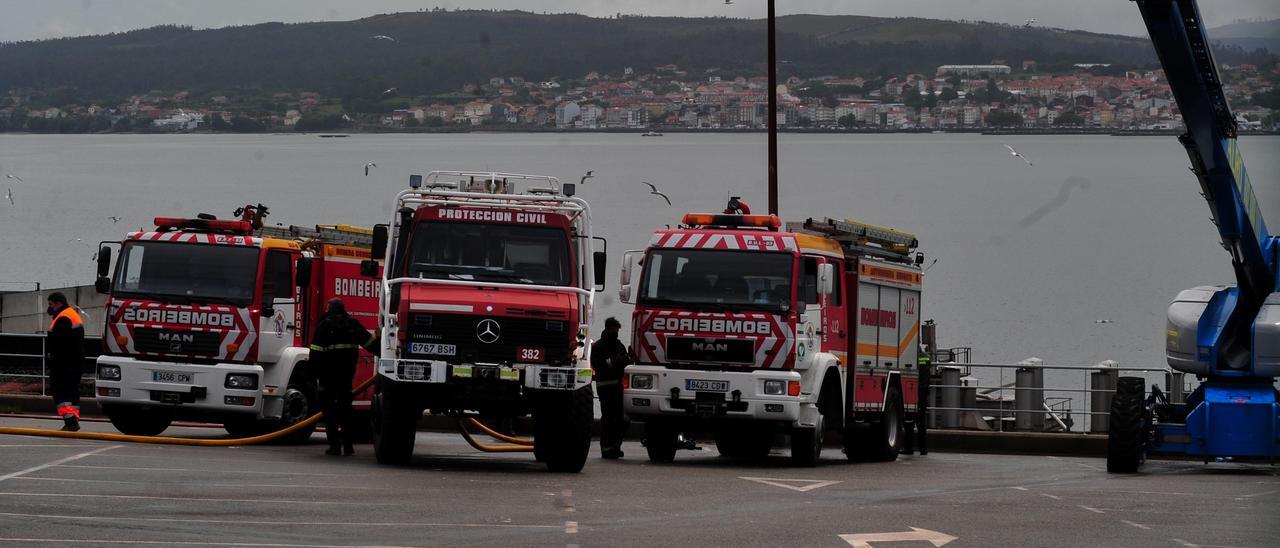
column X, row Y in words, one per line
column 37, row 19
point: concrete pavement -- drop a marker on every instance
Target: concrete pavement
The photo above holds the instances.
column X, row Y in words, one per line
column 62, row 492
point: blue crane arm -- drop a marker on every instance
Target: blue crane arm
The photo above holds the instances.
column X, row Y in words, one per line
column 1178, row 34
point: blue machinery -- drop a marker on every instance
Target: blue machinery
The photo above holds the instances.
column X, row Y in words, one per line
column 1228, row 336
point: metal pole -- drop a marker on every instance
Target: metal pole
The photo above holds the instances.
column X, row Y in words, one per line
column 1103, row 382
column 773, row 117
column 951, row 396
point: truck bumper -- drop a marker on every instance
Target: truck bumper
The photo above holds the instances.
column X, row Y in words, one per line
column 736, row 395
column 199, row 389
column 530, row 376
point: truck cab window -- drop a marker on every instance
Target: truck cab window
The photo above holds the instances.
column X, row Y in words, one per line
column 277, row 279
column 809, row 280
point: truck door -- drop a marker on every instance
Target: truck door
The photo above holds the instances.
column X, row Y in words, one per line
column 810, row 323
column 835, row 330
column 887, row 320
column 279, row 297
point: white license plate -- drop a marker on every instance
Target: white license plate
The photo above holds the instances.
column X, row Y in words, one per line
column 434, row 349
column 171, row 377
column 706, row 386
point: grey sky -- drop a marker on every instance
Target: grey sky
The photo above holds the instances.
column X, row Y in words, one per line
column 36, row 19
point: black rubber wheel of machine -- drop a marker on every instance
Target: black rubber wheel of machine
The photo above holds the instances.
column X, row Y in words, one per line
column 395, row 426
column 741, row 443
column 879, row 441
column 1124, row 434
column 806, row 443
column 567, row 435
column 660, row 442
column 136, row 421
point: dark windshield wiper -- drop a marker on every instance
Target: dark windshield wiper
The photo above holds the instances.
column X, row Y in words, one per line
column 167, row 297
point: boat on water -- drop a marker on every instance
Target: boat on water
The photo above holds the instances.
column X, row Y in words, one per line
column 651, row 134
column 333, row 135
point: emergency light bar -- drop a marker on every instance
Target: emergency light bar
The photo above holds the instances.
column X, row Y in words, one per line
column 771, row 222
column 174, row 223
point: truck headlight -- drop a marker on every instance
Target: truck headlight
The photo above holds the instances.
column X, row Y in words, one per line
column 109, row 372
column 241, row 382
column 775, row 388
column 642, row 382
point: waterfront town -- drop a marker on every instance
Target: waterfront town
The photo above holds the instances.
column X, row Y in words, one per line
column 999, row 95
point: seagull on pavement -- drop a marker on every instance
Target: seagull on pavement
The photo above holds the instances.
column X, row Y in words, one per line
column 367, row 166
column 654, row 190
column 14, row 177
column 1016, row 153
column 589, row 175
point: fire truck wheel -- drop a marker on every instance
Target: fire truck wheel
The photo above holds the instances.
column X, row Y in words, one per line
column 136, row 421
column 739, row 443
column 806, row 443
column 395, row 428
column 1124, row 433
column 881, row 440
column 300, row 402
column 566, row 434
column 660, row 441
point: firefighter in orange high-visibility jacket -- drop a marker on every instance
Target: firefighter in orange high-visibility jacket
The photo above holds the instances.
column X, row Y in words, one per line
column 335, row 348
column 64, row 357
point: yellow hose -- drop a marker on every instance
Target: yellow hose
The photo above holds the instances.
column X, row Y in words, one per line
column 102, row 436
column 491, row 448
column 498, row 435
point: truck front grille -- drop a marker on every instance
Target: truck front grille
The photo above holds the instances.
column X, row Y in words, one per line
column 496, row 341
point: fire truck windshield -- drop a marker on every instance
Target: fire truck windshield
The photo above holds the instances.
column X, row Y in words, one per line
column 694, row 278
column 185, row 272
column 491, row 253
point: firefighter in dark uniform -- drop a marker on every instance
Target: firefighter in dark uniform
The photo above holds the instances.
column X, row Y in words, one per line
column 608, row 359
column 335, row 347
column 64, row 349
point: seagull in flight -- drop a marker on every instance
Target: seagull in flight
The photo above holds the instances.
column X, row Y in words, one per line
column 382, row 37
column 74, row 240
column 390, row 91
column 728, row 2
column 1018, row 154
column 590, row 174
column 654, row 190
column 367, row 166
column 14, row 177
column 9, row 196
column 114, row 219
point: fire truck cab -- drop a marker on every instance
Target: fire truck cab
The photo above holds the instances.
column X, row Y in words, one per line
column 485, row 308
column 749, row 331
column 210, row 319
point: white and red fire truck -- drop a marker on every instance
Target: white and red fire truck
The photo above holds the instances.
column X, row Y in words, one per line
column 210, row 320
column 750, row 331
column 486, row 303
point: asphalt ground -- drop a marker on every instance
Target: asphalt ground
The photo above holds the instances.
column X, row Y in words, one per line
column 85, row 493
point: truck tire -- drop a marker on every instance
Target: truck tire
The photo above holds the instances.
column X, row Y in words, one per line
column 739, row 443
column 660, row 442
column 806, row 443
column 566, row 432
column 301, row 400
column 1124, row 436
column 395, row 426
column 136, row 421
column 881, row 440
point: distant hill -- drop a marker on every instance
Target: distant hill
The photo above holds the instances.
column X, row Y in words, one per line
column 1249, row 35
column 438, row 51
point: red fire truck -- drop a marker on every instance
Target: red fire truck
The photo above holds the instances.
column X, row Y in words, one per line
column 487, row 299
column 750, row 331
column 210, row 320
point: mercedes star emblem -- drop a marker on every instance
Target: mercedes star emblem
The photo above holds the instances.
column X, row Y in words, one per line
column 488, row 331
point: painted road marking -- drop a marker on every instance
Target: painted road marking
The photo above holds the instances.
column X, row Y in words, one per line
column 289, row 523
column 1054, row 497
column 50, row 445
column 1019, row 488
column 58, row 462
column 229, row 472
column 202, row 499
column 571, row 527
column 1094, row 510
column 189, row 484
column 1138, row 525
column 1190, row 545
column 74, row 541
column 864, row 540
column 801, row 485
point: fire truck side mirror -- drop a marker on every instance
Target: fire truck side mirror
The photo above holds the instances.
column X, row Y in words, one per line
column 601, row 259
column 378, row 250
column 102, row 285
column 303, row 276
column 104, row 262
column 826, row 278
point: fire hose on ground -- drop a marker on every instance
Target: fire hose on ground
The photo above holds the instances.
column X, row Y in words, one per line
column 517, row 444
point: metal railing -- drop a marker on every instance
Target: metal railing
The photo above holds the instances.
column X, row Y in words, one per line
column 23, row 369
column 1005, row 397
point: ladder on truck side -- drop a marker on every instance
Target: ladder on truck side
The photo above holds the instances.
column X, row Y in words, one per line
column 344, row 235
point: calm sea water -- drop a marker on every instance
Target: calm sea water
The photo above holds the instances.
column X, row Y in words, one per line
column 1030, row 259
